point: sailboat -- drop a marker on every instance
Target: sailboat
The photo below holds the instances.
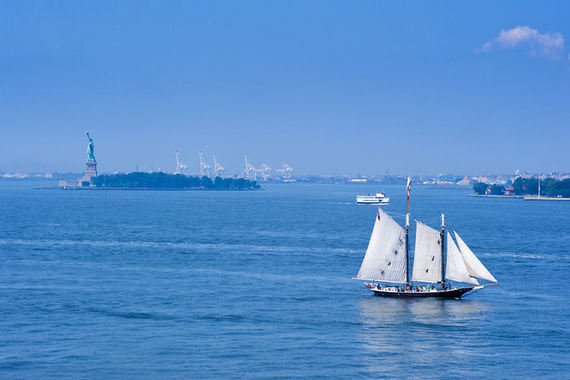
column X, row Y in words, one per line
column 387, row 261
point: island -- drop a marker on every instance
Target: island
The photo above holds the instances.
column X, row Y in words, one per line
column 166, row 181
column 527, row 188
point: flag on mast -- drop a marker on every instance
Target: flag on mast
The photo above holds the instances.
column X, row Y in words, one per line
column 408, row 195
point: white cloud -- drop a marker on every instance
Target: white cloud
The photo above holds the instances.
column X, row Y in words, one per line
column 544, row 45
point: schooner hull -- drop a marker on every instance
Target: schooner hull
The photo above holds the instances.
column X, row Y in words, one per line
column 451, row 293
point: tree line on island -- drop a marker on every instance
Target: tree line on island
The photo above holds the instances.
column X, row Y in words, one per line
column 549, row 187
column 159, row 180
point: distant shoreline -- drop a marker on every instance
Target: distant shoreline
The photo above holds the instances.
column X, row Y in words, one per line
column 93, row 188
column 524, row 197
column 535, row 198
column 495, row 196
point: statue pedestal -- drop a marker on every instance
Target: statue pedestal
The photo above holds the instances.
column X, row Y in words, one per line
column 90, row 171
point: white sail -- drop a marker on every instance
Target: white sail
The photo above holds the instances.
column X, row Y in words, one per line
column 385, row 258
column 427, row 254
column 474, row 266
column 455, row 268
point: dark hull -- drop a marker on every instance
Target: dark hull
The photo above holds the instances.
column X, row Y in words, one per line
column 452, row 293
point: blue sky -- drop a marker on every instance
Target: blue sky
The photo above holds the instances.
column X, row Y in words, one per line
column 328, row 87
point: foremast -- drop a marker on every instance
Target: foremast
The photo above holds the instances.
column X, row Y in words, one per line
column 407, row 229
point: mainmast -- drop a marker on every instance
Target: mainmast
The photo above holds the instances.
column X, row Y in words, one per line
column 442, row 240
column 407, row 233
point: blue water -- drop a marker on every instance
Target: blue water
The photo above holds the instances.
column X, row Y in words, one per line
column 258, row 284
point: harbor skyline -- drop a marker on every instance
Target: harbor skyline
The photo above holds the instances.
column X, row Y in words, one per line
column 286, row 174
column 403, row 88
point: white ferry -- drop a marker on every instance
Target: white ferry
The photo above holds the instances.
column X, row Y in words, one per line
column 377, row 199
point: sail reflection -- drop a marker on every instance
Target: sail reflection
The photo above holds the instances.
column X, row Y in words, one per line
column 402, row 335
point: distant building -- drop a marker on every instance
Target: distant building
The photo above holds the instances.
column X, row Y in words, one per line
column 465, row 181
column 68, row 184
column 509, row 190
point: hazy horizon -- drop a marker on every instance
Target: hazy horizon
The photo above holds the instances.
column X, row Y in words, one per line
column 326, row 87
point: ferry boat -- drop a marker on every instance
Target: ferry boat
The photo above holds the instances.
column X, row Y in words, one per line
column 378, row 198
column 387, row 261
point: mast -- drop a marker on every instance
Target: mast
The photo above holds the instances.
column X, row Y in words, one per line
column 442, row 239
column 407, row 248
column 407, row 233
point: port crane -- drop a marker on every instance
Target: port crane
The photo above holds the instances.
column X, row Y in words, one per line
column 285, row 171
column 249, row 172
column 180, row 166
column 204, row 166
column 265, row 171
column 218, row 169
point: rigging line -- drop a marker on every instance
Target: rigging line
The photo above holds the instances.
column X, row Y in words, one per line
column 393, row 213
column 449, row 221
column 427, row 224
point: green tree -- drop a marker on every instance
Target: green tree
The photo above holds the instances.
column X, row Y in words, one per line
column 170, row 181
column 480, row 187
column 557, row 188
column 531, row 186
column 206, row 182
column 518, row 185
column 497, row 189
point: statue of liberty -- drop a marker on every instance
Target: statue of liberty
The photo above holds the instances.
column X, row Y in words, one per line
column 90, row 165
column 90, row 149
